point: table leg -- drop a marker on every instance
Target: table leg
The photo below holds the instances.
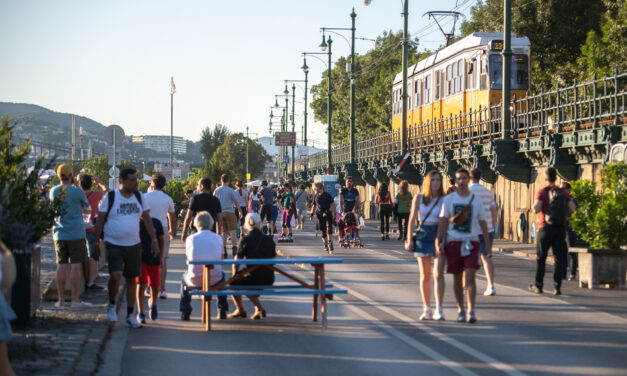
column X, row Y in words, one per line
column 205, row 287
column 208, row 313
column 314, row 312
column 323, row 297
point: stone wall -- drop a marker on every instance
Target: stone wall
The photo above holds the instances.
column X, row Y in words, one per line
column 514, row 200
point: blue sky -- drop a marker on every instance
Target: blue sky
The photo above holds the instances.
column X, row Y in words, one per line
column 112, row 60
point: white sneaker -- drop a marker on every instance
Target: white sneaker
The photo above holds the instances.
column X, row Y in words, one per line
column 131, row 322
column 438, row 314
column 112, row 316
column 58, row 304
column 489, row 291
column 163, row 295
column 80, row 304
column 426, row 314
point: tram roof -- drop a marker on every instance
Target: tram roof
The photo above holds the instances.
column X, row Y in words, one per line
column 471, row 41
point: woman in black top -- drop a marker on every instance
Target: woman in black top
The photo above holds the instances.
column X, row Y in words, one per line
column 255, row 245
column 324, row 207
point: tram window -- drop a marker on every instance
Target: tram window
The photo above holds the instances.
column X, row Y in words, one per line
column 449, row 80
column 437, row 85
column 455, row 79
column 417, row 93
column 470, row 77
column 520, row 72
column 409, row 94
column 428, row 89
column 460, row 75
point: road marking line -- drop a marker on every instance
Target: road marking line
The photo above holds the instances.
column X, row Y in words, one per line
column 441, row 359
column 432, row 332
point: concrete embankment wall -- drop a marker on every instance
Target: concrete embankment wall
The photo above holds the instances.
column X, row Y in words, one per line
column 513, row 200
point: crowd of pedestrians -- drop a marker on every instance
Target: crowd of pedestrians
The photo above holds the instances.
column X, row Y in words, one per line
column 453, row 229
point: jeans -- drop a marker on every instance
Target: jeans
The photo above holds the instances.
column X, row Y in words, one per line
column 186, row 300
column 551, row 237
column 402, row 229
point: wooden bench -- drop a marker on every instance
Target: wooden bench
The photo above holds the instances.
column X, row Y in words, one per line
column 319, row 288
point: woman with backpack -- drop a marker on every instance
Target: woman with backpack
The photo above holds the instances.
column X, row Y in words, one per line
column 384, row 201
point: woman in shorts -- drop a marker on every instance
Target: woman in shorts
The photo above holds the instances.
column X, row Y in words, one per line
column 425, row 210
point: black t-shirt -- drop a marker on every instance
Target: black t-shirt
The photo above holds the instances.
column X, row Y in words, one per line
column 256, row 245
column 147, row 257
column 349, row 196
column 206, row 202
column 323, row 202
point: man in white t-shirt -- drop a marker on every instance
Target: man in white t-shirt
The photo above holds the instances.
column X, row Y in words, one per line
column 204, row 245
column 162, row 208
column 462, row 219
column 120, row 223
column 489, row 205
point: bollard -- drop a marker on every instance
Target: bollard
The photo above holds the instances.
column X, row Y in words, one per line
column 25, row 293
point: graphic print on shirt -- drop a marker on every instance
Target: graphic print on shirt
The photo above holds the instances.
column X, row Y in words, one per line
column 466, row 226
column 128, row 208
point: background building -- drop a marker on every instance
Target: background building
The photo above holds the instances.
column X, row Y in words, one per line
column 161, row 143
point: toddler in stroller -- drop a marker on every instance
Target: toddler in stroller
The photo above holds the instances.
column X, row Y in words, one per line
column 351, row 231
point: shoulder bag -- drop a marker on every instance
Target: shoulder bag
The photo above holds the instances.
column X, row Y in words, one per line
column 461, row 217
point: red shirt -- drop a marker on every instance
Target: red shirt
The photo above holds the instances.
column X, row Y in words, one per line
column 94, row 198
column 543, row 195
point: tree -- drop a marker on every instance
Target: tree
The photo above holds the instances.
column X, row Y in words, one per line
column 99, row 166
column 210, row 140
column 605, row 51
column 230, row 158
column 375, row 72
column 556, row 29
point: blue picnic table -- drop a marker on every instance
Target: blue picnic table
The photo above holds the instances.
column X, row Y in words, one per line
column 318, row 288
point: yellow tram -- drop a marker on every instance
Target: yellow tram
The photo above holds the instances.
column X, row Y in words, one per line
column 460, row 78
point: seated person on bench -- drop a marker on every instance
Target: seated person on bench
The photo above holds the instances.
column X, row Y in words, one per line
column 204, row 245
column 255, row 245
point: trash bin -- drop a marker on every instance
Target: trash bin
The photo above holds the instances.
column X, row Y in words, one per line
column 25, row 295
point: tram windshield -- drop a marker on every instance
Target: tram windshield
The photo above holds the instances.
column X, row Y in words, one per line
column 520, row 72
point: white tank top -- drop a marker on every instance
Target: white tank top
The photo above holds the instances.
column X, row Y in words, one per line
column 434, row 216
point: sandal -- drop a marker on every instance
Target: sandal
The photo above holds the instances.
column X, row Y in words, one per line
column 236, row 314
column 258, row 315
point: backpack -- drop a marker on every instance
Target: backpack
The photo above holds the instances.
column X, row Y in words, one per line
column 111, row 198
column 557, row 210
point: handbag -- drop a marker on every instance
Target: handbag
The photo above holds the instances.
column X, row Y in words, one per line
column 417, row 234
column 461, row 217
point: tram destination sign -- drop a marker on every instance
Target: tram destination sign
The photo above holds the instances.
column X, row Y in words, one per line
column 285, row 138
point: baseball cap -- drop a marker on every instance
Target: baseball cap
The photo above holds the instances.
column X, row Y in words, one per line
column 64, row 170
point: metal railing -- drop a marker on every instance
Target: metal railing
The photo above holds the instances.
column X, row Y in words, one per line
column 562, row 109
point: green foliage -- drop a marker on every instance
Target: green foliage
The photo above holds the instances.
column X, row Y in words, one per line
column 175, row 189
column 143, row 185
column 557, row 30
column 210, row 140
column 26, row 215
column 99, row 166
column 602, row 218
column 604, row 51
column 230, row 158
column 374, row 72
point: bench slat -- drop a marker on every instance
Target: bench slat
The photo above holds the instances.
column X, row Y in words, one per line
column 268, row 292
column 270, row 287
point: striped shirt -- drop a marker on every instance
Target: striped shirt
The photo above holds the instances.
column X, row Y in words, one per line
column 487, row 199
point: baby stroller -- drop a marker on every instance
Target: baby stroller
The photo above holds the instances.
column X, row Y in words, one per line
column 351, row 232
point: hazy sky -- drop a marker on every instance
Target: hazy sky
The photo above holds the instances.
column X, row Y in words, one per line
column 112, row 60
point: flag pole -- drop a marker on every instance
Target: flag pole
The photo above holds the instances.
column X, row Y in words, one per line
column 172, row 91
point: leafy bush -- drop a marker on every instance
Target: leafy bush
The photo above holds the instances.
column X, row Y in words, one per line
column 602, row 217
column 26, row 214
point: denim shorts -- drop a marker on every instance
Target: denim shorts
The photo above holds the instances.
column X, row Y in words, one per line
column 425, row 241
column 482, row 243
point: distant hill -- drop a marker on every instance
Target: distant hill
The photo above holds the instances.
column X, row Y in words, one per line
column 33, row 114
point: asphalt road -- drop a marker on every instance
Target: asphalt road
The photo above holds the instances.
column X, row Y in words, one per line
column 373, row 330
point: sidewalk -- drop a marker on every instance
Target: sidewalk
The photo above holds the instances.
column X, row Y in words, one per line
column 61, row 341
